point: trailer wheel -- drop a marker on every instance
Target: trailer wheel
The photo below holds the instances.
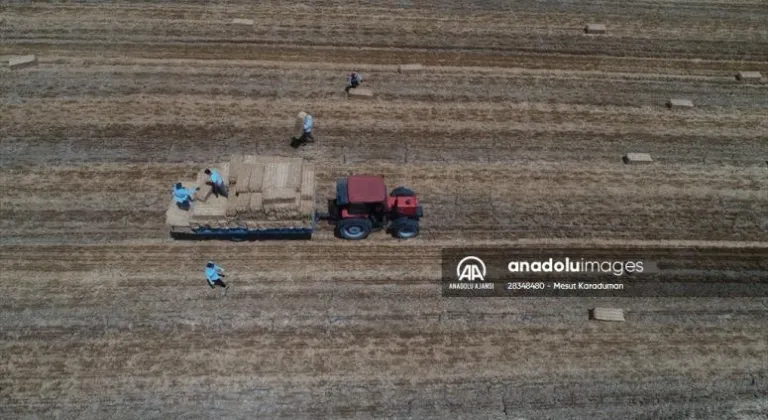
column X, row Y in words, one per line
column 402, row 192
column 354, row 229
column 405, row 228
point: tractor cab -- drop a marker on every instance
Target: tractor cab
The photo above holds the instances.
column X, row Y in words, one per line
column 362, row 205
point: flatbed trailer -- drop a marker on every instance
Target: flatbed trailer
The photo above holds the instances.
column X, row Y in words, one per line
column 269, row 198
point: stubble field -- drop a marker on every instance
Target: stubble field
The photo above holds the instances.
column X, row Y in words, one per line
column 512, row 136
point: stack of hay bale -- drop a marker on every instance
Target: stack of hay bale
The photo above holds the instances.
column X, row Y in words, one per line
column 271, row 192
column 265, row 192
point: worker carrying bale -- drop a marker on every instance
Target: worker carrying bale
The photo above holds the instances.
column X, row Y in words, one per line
column 214, row 274
column 353, row 81
column 218, row 186
column 183, row 196
column 306, row 136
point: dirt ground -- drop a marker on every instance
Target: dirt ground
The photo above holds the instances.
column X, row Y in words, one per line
column 512, row 136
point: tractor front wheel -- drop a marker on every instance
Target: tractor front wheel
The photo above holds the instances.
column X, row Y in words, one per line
column 354, row 229
column 405, row 228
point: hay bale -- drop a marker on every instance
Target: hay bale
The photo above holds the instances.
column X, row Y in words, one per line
column 244, row 175
column 271, row 170
column 237, row 204
column 243, row 202
column 360, row 93
column 175, row 216
column 606, row 314
column 679, row 103
column 280, row 196
column 21, row 62
column 308, row 182
column 253, row 159
column 255, row 203
column 206, row 190
column 202, row 212
column 293, row 180
column 257, row 177
column 181, row 229
column 409, row 68
column 749, row 76
column 242, row 22
column 594, row 28
column 307, row 207
column 234, row 165
column 637, row 158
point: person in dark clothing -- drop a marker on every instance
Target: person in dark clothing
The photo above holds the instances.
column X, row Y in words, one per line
column 353, row 81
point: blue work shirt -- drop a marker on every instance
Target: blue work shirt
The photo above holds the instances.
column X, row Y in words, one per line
column 308, row 124
column 355, row 77
column 216, row 177
column 183, row 194
column 212, row 273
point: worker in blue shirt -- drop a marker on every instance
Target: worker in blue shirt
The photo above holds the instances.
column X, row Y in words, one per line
column 353, row 81
column 306, row 136
column 214, row 274
column 217, row 183
column 183, row 196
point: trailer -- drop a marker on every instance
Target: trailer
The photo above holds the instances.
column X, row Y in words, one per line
column 274, row 198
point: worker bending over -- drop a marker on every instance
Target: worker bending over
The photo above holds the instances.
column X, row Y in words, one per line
column 306, row 135
column 183, row 196
column 353, row 81
column 214, row 273
column 219, row 187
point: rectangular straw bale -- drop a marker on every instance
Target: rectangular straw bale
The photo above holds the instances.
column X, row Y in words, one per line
column 243, row 203
column 204, row 193
column 607, row 314
column 293, row 179
column 234, row 165
column 255, row 204
column 360, row 93
column 749, row 76
column 308, row 182
column 280, row 195
column 251, row 159
column 594, row 28
column 232, row 203
column 257, row 177
column 240, row 21
column 270, row 175
column 19, row 62
column 679, row 103
column 630, row 158
column 307, row 207
column 244, row 176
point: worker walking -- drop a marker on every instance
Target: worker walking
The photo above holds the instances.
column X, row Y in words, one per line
column 353, row 81
column 219, row 187
column 306, row 135
column 183, row 196
column 214, row 275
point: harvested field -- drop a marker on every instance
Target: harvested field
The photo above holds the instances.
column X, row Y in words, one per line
column 513, row 134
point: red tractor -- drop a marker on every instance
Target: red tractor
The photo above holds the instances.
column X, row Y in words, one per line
column 362, row 205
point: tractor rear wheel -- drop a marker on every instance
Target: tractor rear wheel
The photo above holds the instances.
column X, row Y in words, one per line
column 405, row 228
column 354, row 229
column 402, row 192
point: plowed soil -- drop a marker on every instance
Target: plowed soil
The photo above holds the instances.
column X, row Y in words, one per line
column 512, row 136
